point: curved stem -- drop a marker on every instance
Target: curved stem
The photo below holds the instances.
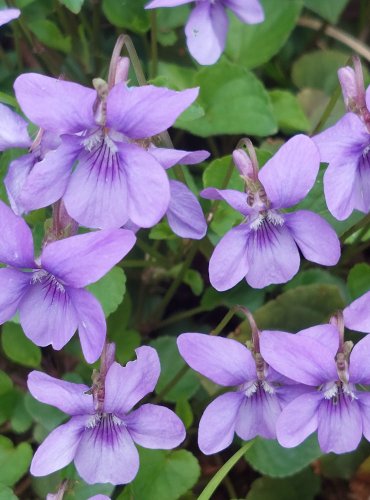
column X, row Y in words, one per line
column 223, row 472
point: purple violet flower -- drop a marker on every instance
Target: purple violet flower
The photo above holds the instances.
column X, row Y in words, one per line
column 259, row 396
column 264, row 248
column 49, row 292
column 115, row 179
column 207, row 26
column 100, row 436
column 7, row 15
column 346, row 148
column 335, row 406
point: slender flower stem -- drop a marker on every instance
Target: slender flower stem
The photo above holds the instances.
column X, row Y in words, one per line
column 154, row 43
column 176, row 283
column 327, row 111
column 359, row 225
column 223, row 472
column 156, row 256
column 182, row 315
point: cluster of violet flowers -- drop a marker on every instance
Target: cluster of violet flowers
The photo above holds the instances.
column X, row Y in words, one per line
column 96, row 159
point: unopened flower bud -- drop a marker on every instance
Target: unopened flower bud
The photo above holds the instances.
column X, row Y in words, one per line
column 122, row 69
column 347, row 80
column 243, row 163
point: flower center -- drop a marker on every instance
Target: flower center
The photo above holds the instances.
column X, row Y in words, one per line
column 260, row 386
column 335, row 391
column 48, row 281
column 103, row 420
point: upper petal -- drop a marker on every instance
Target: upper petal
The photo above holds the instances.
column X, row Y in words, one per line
column 298, row 357
column 184, row 213
column 170, row 157
column 126, row 386
column 16, row 242
column 217, row 425
column 298, row 419
column 315, row 238
column 224, row 361
column 250, row 13
column 290, row 174
column 92, row 326
column 18, row 172
column 55, row 104
column 7, row 15
column 13, row 132
column 107, row 454
column 59, row 448
column 339, row 425
column 94, row 254
column 206, row 32
column 326, row 334
column 357, row 314
column 141, row 112
column 272, row 254
column 68, row 397
column 147, row 184
column 236, row 199
column 155, row 427
column 229, row 262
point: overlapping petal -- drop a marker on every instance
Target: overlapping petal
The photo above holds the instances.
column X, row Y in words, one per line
column 290, row 174
column 66, row 396
column 93, row 255
column 170, row 157
column 299, row 358
column 7, row 15
column 224, row 361
column 257, row 416
column 326, row 334
column 126, row 386
column 359, row 369
column 18, row 172
column 298, row 419
column 13, row 285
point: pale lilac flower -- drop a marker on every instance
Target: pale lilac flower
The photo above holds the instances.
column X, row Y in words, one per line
column 49, row 292
column 100, row 436
column 254, row 405
column 264, row 249
column 206, row 29
column 7, row 15
column 346, row 148
column 115, row 179
column 335, row 407
column 357, row 314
